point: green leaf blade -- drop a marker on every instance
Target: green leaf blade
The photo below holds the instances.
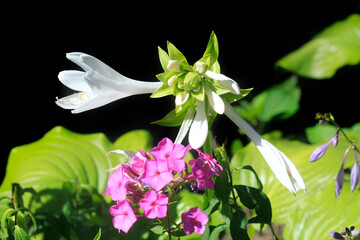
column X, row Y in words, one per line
column 336, row 46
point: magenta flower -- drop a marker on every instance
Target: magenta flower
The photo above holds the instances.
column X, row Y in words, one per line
column 174, row 154
column 320, row 151
column 354, row 175
column 194, row 221
column 202, row 173
column 215, row 167
column 116, row 185
column 137, row 162
column 154, row 204
column 157, row 174
column 124, row 216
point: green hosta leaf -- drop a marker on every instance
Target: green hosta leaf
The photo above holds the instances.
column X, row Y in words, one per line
column 336, row 46
column 60, row 156
column 311, row 215
column 134, row 140
column 281, row 101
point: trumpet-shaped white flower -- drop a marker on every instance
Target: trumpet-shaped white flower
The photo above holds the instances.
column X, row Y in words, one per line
column 98, row 85
column 279, row 163
column 198, row 126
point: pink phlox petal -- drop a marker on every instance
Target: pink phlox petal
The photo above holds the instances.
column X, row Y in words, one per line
column 116, row 186
column 194, row 221
column 202, row 173
column 138, row 161
column 157, row 174
column 154, row 204
column 124, row 216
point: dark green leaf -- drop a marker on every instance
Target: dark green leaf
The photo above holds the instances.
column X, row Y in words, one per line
column 238, row 226
column 280, row 101
column 254, row 198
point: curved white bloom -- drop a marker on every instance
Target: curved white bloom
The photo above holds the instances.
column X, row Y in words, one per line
column 185, row 126
column 224, row 81
column 280, row 164
column 98, row 85
column 215, row 100
column 199, row 127
column 182, row 98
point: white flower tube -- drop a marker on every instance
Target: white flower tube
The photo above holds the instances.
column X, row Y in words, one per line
column 98, row 85
column 279, row 163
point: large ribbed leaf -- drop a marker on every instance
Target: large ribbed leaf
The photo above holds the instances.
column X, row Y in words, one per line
column 311, row 215
column 58, row 157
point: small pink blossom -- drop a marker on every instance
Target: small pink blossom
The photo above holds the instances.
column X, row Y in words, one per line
column 174, row 154
column 124, row 216
column 215, row 167
column 157, row 174
column 202, row 173
column 138, row 161
column 116, row 186
column 154, row 204
column 194, row 221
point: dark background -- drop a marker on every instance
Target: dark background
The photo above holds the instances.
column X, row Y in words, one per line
column 252, row 36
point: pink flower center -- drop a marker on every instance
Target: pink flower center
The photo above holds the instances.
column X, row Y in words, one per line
column 157, row 173
column 153, row 204
column 167, row 156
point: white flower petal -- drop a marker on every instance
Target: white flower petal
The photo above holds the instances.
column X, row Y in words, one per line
column 100, row 101
column 279, row 163
column 182, row 98
column 215, row 100
column 128, row 154
column 224, row 81
column 74, row 80
column 100, row 84
column 199, row 128
column 185, row 126
column 74, row 100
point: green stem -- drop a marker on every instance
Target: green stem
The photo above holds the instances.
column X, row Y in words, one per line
column 346, row 137
column 168, row 230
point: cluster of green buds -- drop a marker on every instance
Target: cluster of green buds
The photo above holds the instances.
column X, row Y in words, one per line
column 195, row 88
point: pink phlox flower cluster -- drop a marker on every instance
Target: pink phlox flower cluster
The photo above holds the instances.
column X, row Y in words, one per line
column 140, row 183
column 203, row 168
column 194, row 221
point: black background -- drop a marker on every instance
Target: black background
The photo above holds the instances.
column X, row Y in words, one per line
column 252, row 36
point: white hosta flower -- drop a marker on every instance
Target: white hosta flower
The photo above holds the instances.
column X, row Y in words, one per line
column 224, row 81
column 280, row 164
column 198, row 125
column 98, row 85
